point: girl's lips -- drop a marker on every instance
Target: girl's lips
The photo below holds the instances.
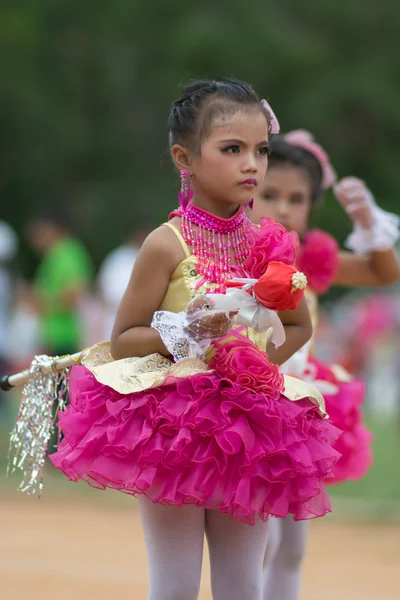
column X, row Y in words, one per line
column 249, row 182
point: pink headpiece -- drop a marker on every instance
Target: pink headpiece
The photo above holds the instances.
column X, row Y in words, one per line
column 273, row 121
column 304, row 139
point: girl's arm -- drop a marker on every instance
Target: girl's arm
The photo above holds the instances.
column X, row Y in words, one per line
column 132, row 333
column 375, row 233
column 298, row 329
column 376, row 269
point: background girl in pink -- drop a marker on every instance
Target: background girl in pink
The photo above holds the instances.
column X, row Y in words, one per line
column 299, row 171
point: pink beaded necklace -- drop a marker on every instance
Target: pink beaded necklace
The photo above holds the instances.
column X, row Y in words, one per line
column 212, row 240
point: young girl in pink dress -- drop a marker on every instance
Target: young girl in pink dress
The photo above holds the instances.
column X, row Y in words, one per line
column 298, row 172
column 185, row 410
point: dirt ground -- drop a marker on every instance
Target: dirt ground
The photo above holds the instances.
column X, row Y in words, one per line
column 76, row 550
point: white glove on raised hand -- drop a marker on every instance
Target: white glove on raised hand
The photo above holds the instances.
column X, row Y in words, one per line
column 188, row 334
column 374, row 229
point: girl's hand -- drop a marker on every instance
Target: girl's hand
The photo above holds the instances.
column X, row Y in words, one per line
column 373, row 260
column 357, row 200
column 203, row 326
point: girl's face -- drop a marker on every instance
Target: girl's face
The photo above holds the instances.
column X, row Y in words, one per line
column 232, row 163
column 285, row 195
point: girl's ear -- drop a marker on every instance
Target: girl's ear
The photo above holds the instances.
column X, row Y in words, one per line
column 181, row 157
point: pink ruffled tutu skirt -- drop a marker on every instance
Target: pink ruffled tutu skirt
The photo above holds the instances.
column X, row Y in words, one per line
column 203, row 440
column 345, row 412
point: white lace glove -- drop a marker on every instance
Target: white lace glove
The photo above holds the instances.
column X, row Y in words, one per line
column 188, row 334
column 374, row 228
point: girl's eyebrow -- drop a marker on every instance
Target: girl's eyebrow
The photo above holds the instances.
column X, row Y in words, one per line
column 235, row 141
column 232, row 141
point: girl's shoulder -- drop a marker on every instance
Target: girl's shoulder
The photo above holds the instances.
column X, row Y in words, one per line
column 318, row 259
column 162, row 248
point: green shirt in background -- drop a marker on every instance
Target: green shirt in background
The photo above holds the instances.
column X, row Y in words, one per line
column 65, row 266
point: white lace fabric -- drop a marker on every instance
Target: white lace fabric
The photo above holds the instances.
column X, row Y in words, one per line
column 380, row 237
column 172, row 329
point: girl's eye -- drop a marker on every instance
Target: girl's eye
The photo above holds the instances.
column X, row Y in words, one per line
column 264, row 150
column 268, row 196
column 297, row 199
column 232, row 149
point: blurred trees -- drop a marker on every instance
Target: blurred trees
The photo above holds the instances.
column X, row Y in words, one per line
column 85, row 90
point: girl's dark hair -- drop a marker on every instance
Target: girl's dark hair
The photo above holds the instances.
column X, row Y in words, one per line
column 282, row 153
column 200, row 102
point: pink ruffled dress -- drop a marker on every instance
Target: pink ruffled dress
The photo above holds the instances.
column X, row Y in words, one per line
column 229, row 433
column 343, row 395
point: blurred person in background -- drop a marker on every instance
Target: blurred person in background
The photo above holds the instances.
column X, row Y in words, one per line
column 299, row 171
column 61, row 282
column 60, row 287
column 114, row 275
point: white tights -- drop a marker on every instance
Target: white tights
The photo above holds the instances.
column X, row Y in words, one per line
column 174, row 542
column 286, row 548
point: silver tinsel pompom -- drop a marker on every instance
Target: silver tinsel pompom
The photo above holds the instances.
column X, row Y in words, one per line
column 44, row 394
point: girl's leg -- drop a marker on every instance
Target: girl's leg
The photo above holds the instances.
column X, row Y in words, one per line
column 236, row 557
column 282, row 571
column 274, row 541
column 174, row 540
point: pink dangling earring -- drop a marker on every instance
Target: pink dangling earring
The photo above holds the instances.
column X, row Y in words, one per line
column 186, row 193
column 250, row 204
